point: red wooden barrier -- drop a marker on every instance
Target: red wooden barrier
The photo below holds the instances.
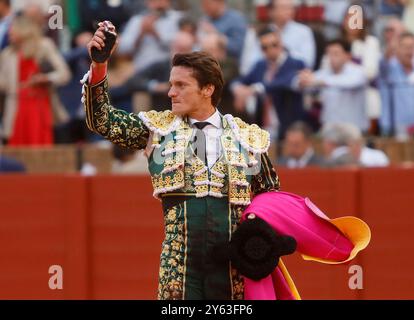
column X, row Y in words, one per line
column 106, row 233
column 43, row 223
column 388, row 207
column 126, row 228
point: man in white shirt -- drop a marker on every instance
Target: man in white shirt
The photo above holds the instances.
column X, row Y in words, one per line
column 343, row 145
column 147, row 37
column 342, row 87
column 230, row 23
column 298, row 151
column 334, row 13
column 297, row 37
column 373, row 158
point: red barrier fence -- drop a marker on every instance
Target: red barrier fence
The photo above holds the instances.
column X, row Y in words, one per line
column 106, row 233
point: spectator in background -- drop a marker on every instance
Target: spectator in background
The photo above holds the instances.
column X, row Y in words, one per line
column 388, row 9
column 9, row 165
column 392, row 8
column 272, row 82
column 343, row 144
column 134, row 6
column 70, row 94
column 391, row 35
column 37, row 11
column 187, row 24
column 366, row 51
column 342, row 86
column 408, row 16
column 6, row 17
column 83, row 15
column 397, row 90
column 30, row 68
column 251, row 52
column 369, row 8
column 147, row 37
column 93, row 11
column 154, row 79
column 297, row 38
column 334, row 12
column 335, row 138
column 127, row 161
column 367, row 157
column 298, row 151
column 215, row 44
column 228, row 22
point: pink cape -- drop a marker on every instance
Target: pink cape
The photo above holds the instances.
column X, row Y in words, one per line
column 316, row 236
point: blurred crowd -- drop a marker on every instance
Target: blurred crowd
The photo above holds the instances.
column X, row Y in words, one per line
column 301, row 69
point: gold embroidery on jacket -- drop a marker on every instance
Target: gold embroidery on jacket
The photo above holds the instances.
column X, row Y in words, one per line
column 172, row 177
column 173, row 256
column 239, row 187
column 113, row 124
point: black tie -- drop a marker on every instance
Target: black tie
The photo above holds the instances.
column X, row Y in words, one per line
column 200, row 140
column 201, row 125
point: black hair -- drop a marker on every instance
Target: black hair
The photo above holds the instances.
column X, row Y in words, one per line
column 267, row 30
column 206, row 70
column 341, row 42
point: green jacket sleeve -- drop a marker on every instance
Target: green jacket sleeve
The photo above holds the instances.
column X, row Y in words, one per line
column 122, row 128
column 267, row 179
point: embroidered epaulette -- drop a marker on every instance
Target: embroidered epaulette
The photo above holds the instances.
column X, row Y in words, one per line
column 250, row 136
column 161, row 123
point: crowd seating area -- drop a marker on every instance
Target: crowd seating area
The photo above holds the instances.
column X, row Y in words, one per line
column 68, row 159
column 64, row 159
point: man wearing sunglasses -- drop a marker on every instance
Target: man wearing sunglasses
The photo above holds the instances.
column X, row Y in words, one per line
column 271, row 82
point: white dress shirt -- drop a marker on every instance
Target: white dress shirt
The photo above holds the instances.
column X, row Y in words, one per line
column 298, row 39
column 302, row 162
column 151, row 49
column 213, row 133
column 373, row 158
column 343, row 96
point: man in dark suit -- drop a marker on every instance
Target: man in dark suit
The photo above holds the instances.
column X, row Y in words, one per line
column 272, row 82
column 298, row 151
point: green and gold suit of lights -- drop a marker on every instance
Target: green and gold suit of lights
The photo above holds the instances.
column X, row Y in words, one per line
column 202, row 206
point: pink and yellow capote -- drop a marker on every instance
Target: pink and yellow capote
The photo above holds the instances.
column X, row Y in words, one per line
column 319, row 238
